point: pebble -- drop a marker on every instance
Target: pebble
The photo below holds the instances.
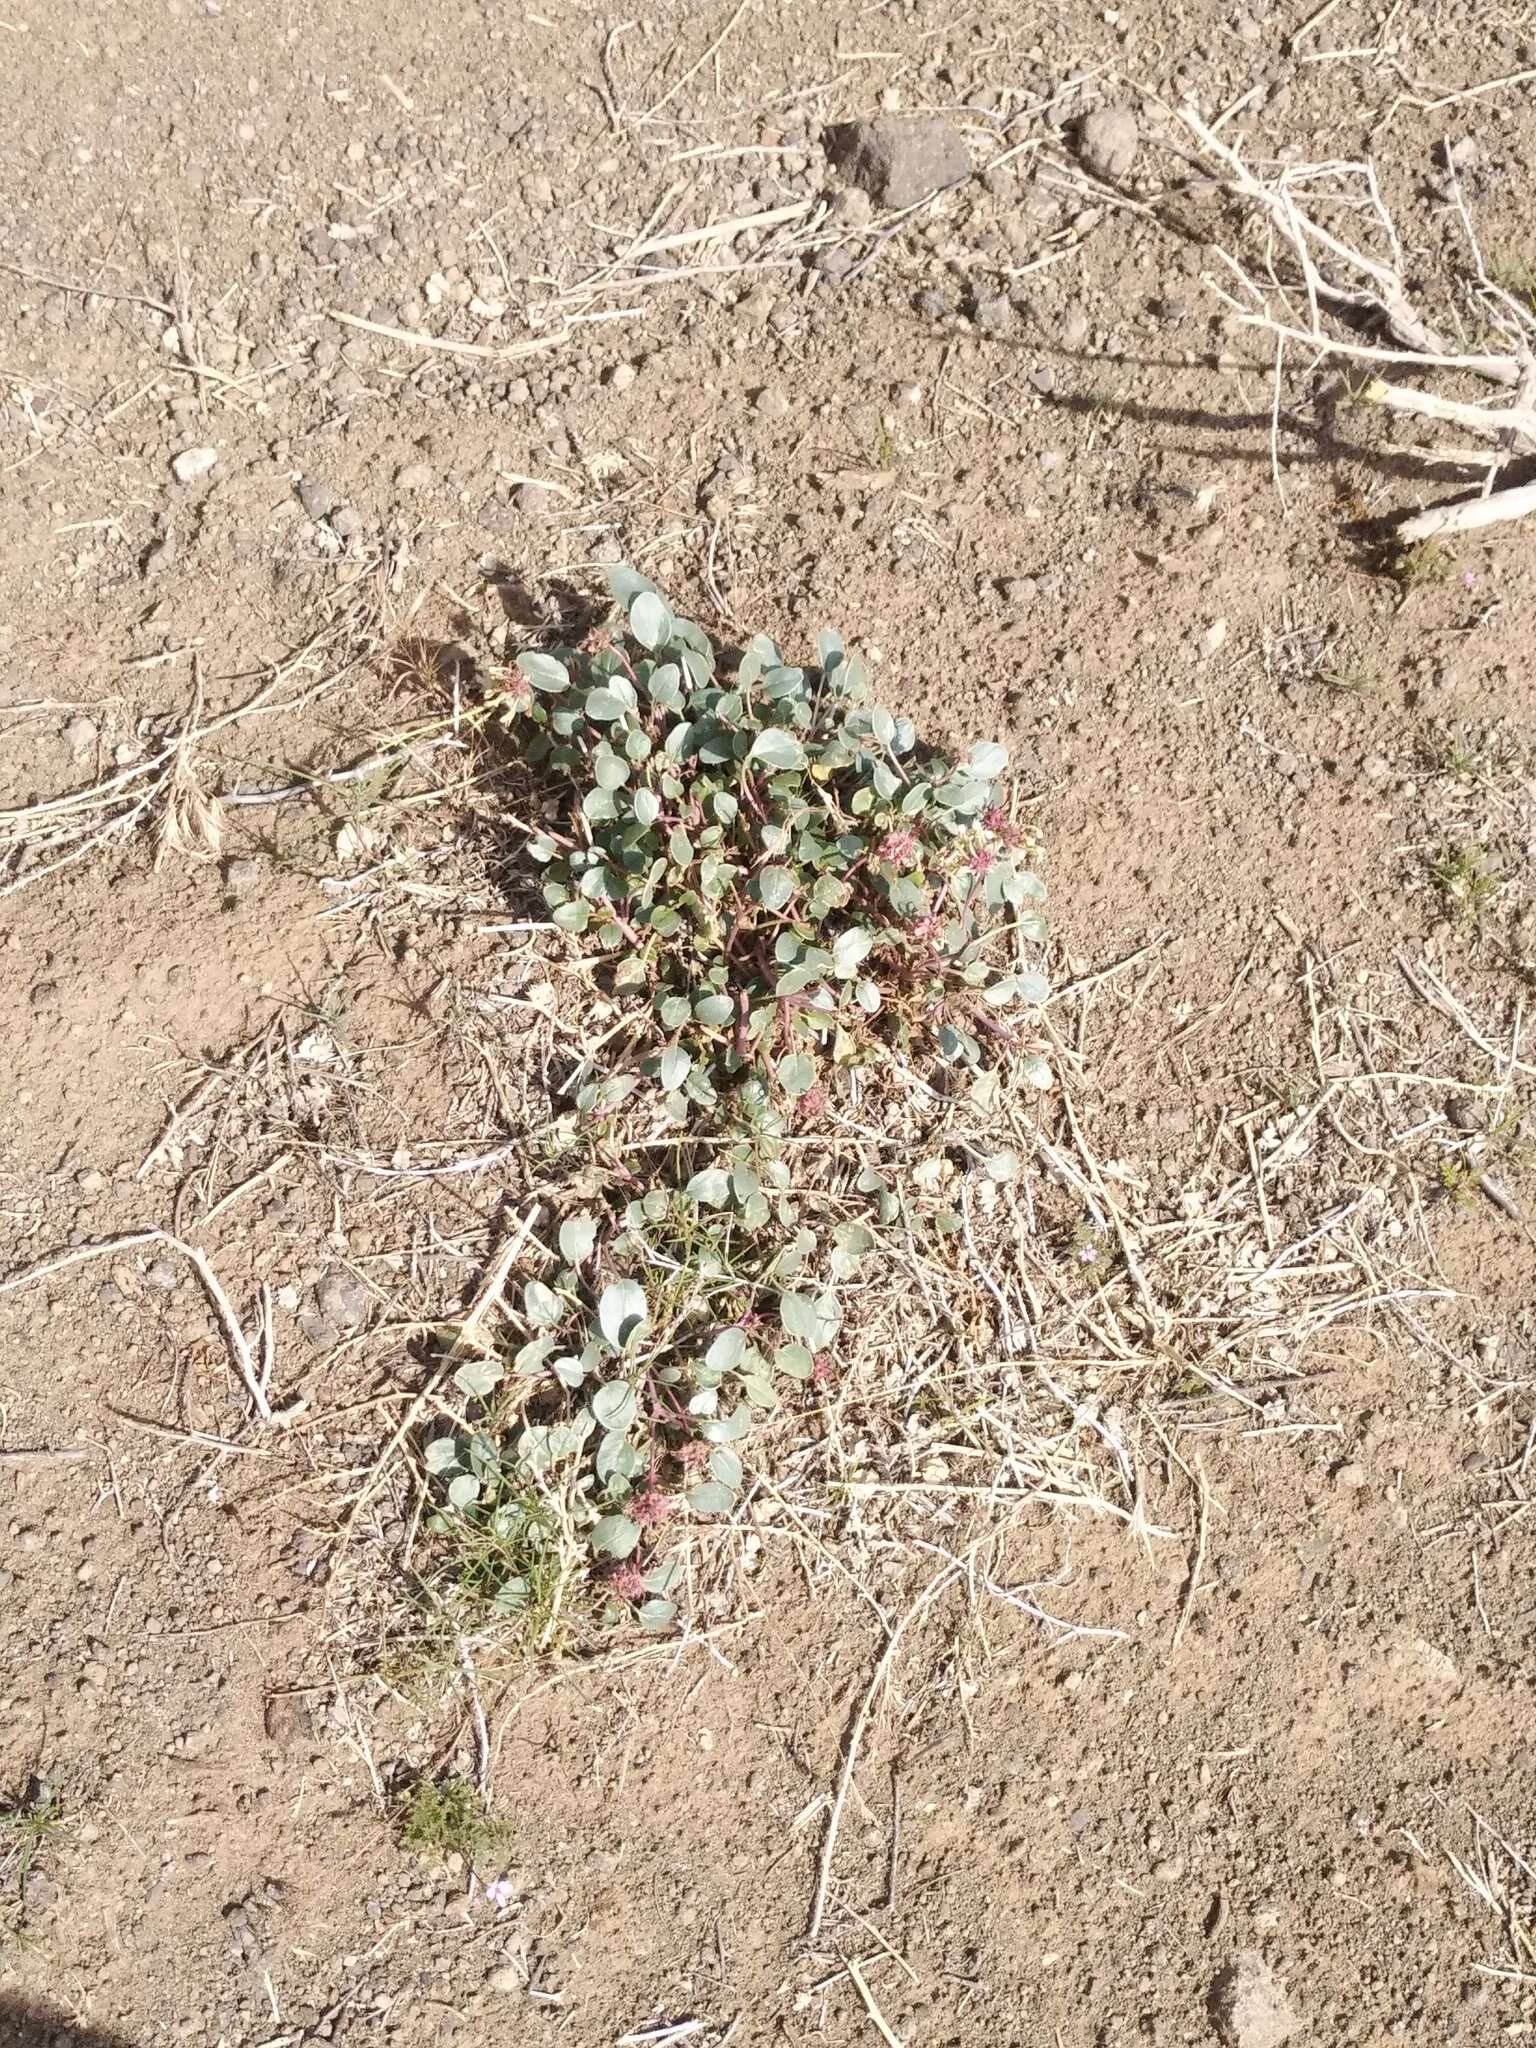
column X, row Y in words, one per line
column 241, row 873
column 992, row 313
column 415, row 476
column 1351, row 1478
column 342, row 1298
column 771, row 403
column 347, row 522
column 81, row 736
column 1107, row 142
column 508, row 1977
column 90, row 1182
column 161, row 555
column 162, row 1274
column 318, row 499
column 1074, row 327
column 899, row 162
column 193, row 463
column 532, row 499
column 908, row 394
column 1376, row 768
column 1249, row 2004
column 30, row 1539
column 621, row 376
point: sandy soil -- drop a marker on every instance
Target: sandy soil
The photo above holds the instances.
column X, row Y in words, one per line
column 1280, row 1705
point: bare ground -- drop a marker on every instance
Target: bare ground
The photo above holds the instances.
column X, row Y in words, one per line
column 1217, row 1603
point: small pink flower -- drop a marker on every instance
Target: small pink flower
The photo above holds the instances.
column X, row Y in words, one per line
column 500, row 1893
column 650, row 1509
column 899, row 848
column 813, row 1105
column 1000, row 825
column 982, row 861
column 823, row 1372
column 926, row 929
column 628, row 1581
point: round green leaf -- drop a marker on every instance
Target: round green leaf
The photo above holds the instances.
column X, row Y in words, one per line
column 650, row 620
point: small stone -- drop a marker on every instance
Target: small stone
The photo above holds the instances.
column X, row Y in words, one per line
column 342, row 1298
column 908, row 394
column 44, row 995
column 533, row 499
column 415, row 476
column 193, row 463
column 1018, row 589
column 162, row 1274
column 1107, row 142
column 992, row 313
column 621, row 376
column 1249, row 2004
column 771, row 403
column 1168, row 1869
column 1053, row 461
column 508, row 1977
column 1074, row 327
column 1214, row 638
column 30, row 1539
column 899, row 162
column 160, row 557
column 318, row 499
column 90, row 1182
column 241, row 873
column 1351, row 1478
column 1043, row 378
column 1376, row 768
column 81, row 736
column 346, row 522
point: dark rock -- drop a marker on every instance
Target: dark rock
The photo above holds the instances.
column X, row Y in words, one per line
column 899, row 161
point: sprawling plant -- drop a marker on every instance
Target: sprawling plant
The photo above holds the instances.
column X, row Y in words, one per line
column 786, row 883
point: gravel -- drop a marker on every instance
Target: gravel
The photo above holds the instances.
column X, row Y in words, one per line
column 415, row 476
column 1107, row 142
column 192, row 464
column 318, row 499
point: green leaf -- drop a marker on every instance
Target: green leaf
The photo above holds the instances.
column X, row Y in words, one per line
column 714, row 1011
column 711, row 1185
column 797, row 1312
column 849, row 951
column 622, row 1312
column 542, row 1306
column 647, row 808
column 615, row 1405
column 775, row 886
column 711, row 1498
column 650, row 619
column 673, row 1070
column 544, row 672
column 442, row 1454
column 796, row 1072
column 478, row 1377
column 726, row 1467
column 464, row 1491
column 656, row 1613
column 572, row 917
column 777, row 749
column 727, row 1351
column 796, row 1360
column 615, row 1536
column 625, row 584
